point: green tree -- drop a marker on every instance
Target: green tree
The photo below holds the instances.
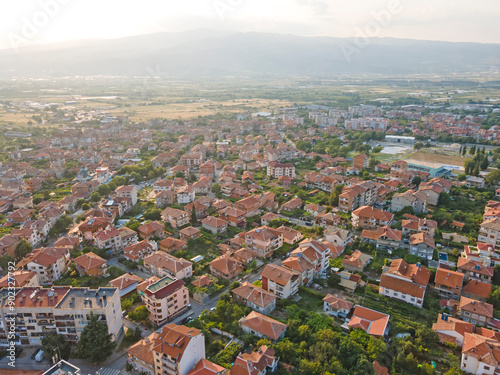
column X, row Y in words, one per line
column 416, row 180
column 95, row 344
column 23, row 248
column 46, row 195
column 475, row 171
column 194, row 218
column 5, row 261
column 103, row 189
column 216, row 190
column 95, row 197
column 140, row 314
column 61, row 225
column 55, row 344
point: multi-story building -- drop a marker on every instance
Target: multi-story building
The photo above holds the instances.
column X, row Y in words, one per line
column 139, row 250
column 422, row 244
column 226, row 267
column 109, row 239
column 489, row 232
column 164, row 298
column 368, row 217
column 177, row 350
column 49, row 263
column 480, row 354
column 162, row 264
column 474, row 270
column 127, row 192
column 262, row 361
column 276, row 170
column 91, row 264
column 152, row 229
column 405, row 282
column 448, row 283
column 476, row 312
column 337, row 307
column 361, row 161
column 264, row 241
column 358, row 195
column 280, row 281
column 176, row 218
column 64, row 310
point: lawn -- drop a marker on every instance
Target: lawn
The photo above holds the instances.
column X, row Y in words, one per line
column 310, row 302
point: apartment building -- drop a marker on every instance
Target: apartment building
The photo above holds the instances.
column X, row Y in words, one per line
column 409, row 198
column 177, row 350
column 162, row 264
column 109, row 239
column 405, row 282
column 64, row 310
column 176, row 218
column 276, row 170
column 264, row 241
column 489, row 232
column 139, row 250
column 361, row 161
column 280, row 281
column 358, row 195
column 129, row 192
column 164, row 298
column 368, row 217
column 49, row 263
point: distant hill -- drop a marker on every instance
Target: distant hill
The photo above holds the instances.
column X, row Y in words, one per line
column 216, row 53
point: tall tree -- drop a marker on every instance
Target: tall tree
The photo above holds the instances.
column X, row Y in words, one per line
column 95, row 343
column 475, row 171
column 23, row 248
column 194, row 219
column 464, row 150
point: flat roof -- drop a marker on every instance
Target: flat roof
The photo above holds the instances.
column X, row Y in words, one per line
column 425, row 163
column 162, row 283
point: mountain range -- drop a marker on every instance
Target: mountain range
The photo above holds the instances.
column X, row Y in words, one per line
column 201, row 53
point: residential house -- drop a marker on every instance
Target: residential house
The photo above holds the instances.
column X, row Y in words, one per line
column 337, row 307
column 264, row 241
column 368, row 217
column 234, row 216
column 126, row 284
column 175, row 217
column 338, row 236
column 259, row 362
column 291, row 206
column 448, row 283
column 405, row 282
column 129, row 191
column 109, row 239
column 171, row 244
column 91, row 264
column 361, row 161
column 452, row 330
column 383, row 236
column 162, row 264
column 474, row 270
column 290, row 236
column 153, row 229
column 225, row 267
column 214, row 224
column 49, row 263
column 139, row 250
column 356, row 262
column 422, row 244
column 476, row 312
column 281, row 281
column 372, row 322
column 262, row 326
column 477, row 290
column 480, row 354
column 189, row 233
column 255, row 297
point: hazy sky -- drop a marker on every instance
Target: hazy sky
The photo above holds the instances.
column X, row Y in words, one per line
column 45, row 21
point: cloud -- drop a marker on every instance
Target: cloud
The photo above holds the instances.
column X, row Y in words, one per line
column 319, row 8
